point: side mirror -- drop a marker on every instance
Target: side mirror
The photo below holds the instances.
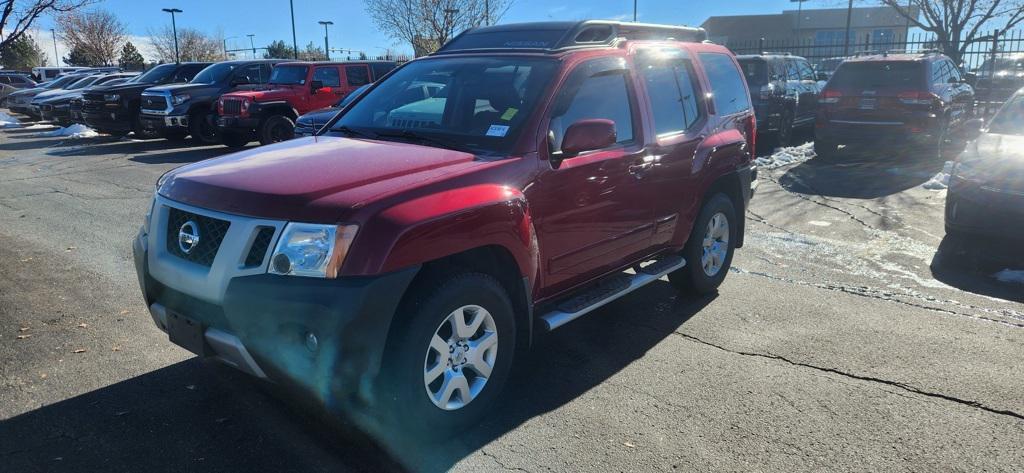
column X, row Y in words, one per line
column 316, row 85
column 822, row 76
column 588, row 135
column 971, row 129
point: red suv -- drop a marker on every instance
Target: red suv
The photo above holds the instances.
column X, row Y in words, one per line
column 268, row 114
column 892, row 100
column 519, row 178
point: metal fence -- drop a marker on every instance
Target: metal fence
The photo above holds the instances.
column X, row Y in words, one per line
column 1003, row 44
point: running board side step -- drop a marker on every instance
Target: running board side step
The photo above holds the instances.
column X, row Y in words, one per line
column 609, row 290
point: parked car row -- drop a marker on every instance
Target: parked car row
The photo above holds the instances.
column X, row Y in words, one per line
column 230, row 102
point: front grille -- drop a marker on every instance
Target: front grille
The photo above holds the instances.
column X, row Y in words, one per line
column 211, row 234
column 232, row 107
column 46, row 107
column 259, row 247
column 153, row 103
column 92, row 102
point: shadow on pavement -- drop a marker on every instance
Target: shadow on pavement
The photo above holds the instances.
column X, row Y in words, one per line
column 183, row 156
column 969, row 263
column 200, row 416
column 107, row 145
column 859, row 179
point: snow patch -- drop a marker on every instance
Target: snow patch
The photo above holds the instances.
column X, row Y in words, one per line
column 819, row 223
column 74, row 131
column 941, row 180
column 786, row 156
column 7, row 121
column 1010, row 275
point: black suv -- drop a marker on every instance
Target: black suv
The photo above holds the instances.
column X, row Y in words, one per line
column 114, row 109
column 175, row 111
column 784, row 90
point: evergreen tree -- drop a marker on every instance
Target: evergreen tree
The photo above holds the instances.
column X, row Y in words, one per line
column 22, row 54
column 131, row 59
column 80, row 57
column 278, row 50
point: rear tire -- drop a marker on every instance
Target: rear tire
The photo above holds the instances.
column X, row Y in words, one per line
column 826, row 150
column 709, row 250
column 275, row 129
column 784, row 136
column 423, row 370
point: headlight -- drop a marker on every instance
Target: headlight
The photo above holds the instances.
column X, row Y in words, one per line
column 180, row 99
column 111, row 97
column 312, row 250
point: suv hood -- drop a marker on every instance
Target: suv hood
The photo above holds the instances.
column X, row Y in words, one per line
column 119, row 88
column 314, row 179
column 276, row 92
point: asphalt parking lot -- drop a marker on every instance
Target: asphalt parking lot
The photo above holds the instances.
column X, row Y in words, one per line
column 851, row 335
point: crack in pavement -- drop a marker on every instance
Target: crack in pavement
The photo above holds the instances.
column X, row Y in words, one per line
column 502, row 465
column 876, row 294
column 872, row 379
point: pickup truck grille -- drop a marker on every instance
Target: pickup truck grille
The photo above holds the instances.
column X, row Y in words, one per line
column 211, row 234
column 232, row 107
column 92, row 102
column 153, row 103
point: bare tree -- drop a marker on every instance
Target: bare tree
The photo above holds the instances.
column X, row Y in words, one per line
column 428, row 24
column 193, row 45
column 957, row 24
column 96, row 35
column 16, row 16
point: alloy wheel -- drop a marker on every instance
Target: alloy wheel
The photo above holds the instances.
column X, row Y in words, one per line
column 715, row 244
column 460, row 357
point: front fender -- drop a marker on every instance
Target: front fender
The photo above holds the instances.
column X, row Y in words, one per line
column 444, row 224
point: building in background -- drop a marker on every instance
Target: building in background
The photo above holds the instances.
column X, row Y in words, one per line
column 822, row 29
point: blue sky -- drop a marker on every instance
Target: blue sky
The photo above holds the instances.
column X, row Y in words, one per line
column 269, row 19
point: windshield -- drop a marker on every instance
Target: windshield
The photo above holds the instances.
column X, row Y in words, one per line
column 289, row 75
column 215, row 73
column 157, row 74
column 82, row 83
column 61, row 82
column 352, row 96
column 1001, row 64
column 755, row 70
column 1010, row 119
column 892, row 74
column 479, row 103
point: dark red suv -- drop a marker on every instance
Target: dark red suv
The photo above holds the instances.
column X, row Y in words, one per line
column 401, row 259
column 908, row 101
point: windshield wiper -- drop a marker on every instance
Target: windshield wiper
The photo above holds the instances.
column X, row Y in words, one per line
column 412, row 135
column 351, row 131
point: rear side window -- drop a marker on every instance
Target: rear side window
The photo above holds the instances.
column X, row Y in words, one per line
column 329, row 76
column 187, row 72
column 727, row 87
column 904, row 74
column 806, row 73
column 357, row 75
column 669, row 85
column 755, row 71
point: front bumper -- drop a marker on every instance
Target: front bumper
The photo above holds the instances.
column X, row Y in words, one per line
column 982, row 209
column 237, row 123
column 265, row 324
column 109, row 121
column 163, row 122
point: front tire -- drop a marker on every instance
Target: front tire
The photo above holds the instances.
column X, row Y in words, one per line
column 275, row 129
column 450, row 353
column 202, row 129
column 784, row 136
column 709, row 250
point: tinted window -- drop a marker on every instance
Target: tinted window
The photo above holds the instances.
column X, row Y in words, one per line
column 157, row 74
column 357, row 75
column 293, row 75
column 792, row 73
column 806, row 73
column 329, row 76
column 5, row 80
column 601, row 96
column 187, row 72
column 755, row 71
column 954, row 72
column 669, row 86
column 251, row 74
column 215, row 73
column 904, row 74
column 727, row 87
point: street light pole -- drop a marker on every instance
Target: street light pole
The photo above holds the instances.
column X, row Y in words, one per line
column 56, row 56
column 252, row 45
column 327, row 49
column 174, row 28
column 846, row 41
column 634, row 11
column 295, row 42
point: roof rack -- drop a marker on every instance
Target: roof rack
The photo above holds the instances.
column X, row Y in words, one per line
column 558, row 36
column 773, row 53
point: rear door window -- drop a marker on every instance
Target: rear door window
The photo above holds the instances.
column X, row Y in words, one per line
column 755, row 71
column 727, row 87
column 806, row 73
column 669, row 85
column 894, row 74
column 328, row 75
column 357, row 75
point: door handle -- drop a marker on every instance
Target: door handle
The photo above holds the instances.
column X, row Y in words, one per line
column 640, row 168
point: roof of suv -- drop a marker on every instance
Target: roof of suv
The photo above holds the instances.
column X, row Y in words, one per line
column 897, row 57
column 741, row 57
column 560, row 36
column 287, row 62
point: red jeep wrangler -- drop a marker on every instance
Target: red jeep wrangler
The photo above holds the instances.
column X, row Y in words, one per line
column 268, row 114
column 519, row 178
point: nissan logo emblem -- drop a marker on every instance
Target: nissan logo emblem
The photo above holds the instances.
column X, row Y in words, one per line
column 188, row 237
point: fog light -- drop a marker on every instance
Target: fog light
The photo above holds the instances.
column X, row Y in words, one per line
column 281, row 263
column 311, row 341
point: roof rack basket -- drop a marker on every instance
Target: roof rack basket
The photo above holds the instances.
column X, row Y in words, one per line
column 559, row 36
